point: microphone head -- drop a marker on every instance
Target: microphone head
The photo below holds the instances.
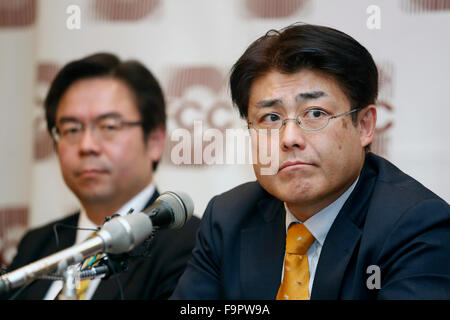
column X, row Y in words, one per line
column 182, row 206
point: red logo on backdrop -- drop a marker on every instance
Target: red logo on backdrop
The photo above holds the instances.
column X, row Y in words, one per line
column 13, row 224
column 119, row 10
column 380, row 143
column 43, row 143
column 197, row 94
column 17, row 13
column 381, row 139
column 274, row 8
column 421, row 6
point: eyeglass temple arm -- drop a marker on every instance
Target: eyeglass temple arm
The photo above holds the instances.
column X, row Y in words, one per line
column 344, row 114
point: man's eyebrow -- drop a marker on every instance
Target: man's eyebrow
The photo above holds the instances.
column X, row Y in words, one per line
column 310, row 95
column 269, row 103
column 68, row 119
column 109, row 115
column 65, row 119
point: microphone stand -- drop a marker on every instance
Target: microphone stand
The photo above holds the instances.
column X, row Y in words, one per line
column 109, row 265
column 69, row 290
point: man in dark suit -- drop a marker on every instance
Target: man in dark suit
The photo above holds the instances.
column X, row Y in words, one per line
column 107, row 118
column 326, row 218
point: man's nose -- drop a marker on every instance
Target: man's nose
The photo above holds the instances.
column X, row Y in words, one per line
column 89, row 142
column 292, row 136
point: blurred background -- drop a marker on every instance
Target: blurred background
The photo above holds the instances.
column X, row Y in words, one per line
column 190, row 47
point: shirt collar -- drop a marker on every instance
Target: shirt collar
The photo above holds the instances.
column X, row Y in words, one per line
column 137, row 204
column 320, row 223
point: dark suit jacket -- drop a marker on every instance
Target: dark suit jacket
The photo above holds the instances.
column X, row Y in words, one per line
column 154, row 277
column 390, row 221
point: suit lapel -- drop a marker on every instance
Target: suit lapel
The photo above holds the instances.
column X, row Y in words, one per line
column 334, row 258
column 153, row 198
column 109, row 289
column 66, row 232
column 343, row 237
column 262, row 252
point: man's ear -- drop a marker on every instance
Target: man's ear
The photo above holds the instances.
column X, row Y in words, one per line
column 367, row 121
column 155, row 143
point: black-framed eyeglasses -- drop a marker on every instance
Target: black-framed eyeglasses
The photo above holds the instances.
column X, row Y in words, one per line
column 309, row 120
column 105, row 128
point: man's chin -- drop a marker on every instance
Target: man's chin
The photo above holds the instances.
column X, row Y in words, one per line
column 93, row 195
column 289, row 191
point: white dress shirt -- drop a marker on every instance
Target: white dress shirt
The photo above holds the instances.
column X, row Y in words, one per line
column 137, row 204
column 319, row 225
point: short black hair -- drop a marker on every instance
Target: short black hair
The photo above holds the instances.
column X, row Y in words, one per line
column 146, row 89
column 305, row 46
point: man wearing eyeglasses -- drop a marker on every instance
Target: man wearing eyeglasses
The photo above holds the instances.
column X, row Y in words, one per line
column 333, row 221
column 107, row 118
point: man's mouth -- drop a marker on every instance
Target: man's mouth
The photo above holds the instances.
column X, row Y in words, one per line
column 86, row 173
column 293, row 164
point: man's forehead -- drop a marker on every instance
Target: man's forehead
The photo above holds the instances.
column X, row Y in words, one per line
column 94, row 97
column 98, row 85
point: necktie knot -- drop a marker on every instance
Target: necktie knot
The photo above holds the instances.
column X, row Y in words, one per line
column 298, row 239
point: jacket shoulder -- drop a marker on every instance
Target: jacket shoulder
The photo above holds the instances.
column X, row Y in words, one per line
column 35, row 243
column 397, row 191
column 244, row 195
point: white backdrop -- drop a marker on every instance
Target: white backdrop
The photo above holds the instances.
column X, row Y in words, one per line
column 190, row 46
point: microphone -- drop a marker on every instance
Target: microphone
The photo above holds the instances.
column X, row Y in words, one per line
column 170, row 210
column 118, row 235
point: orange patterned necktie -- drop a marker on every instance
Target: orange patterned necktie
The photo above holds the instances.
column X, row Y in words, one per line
column 295, row 285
